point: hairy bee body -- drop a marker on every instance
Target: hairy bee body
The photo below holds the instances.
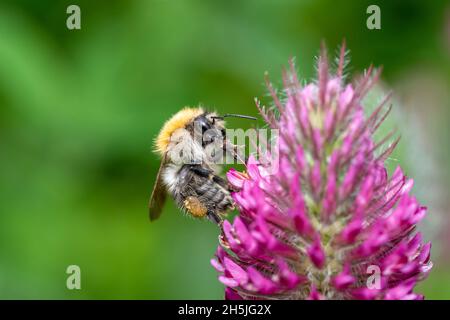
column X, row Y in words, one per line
column 198, row 191
column 186, row 172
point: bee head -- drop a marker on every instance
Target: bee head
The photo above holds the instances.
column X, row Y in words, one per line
column 206, row 125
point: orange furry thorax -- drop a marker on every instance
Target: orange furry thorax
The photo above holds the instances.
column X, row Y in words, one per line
column 178, row 120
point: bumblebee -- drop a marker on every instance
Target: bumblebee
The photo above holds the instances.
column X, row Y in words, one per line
column 187, row 171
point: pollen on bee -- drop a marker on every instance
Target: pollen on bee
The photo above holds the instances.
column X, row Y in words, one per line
column 195, row 207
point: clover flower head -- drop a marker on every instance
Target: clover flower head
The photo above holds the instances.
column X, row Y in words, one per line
column 329, row 223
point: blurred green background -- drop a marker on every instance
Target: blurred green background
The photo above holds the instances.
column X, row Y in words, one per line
column 79, row 110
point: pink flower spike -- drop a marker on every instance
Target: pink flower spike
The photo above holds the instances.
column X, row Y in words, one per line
column 323, row 218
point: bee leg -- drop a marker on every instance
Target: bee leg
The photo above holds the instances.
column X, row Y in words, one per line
column 214, row 217
column 206, row 173
column 199, row 170
column 224, row 184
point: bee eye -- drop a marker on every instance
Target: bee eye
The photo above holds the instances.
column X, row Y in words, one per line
column 203, row 123
column 205, row 127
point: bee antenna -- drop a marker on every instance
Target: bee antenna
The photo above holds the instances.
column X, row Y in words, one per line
column 238, row 116
column 215, row 118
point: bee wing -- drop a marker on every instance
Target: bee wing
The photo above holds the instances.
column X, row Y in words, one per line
column 158, row 196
